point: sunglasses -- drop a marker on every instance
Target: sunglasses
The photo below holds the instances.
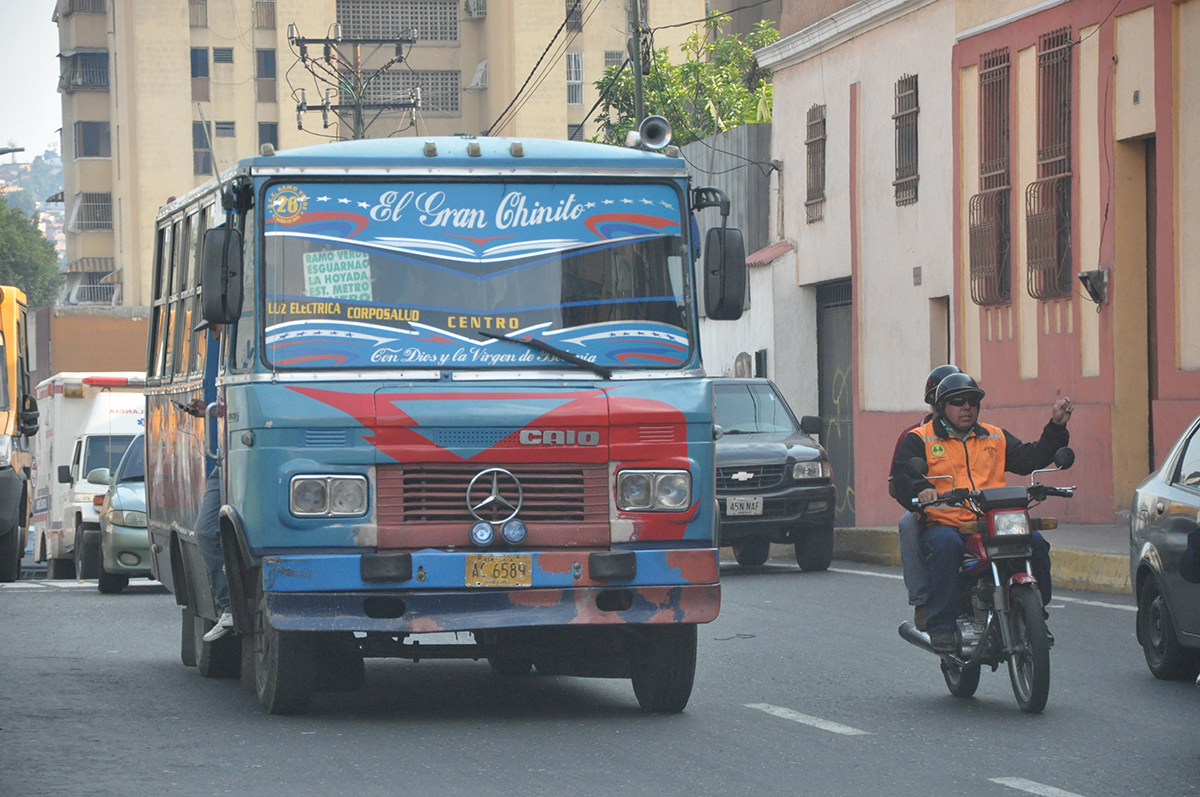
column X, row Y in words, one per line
column 959, row 401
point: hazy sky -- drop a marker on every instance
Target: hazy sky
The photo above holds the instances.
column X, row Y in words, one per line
column 33, row 111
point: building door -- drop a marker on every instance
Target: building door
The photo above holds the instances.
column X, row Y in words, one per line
column 835, row 390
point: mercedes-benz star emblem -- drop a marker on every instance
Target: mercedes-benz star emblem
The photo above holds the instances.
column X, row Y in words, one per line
column 494, row 498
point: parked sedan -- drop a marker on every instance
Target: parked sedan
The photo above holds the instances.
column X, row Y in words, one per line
column 774, row 482
column 1164, row 512
column 124, row 539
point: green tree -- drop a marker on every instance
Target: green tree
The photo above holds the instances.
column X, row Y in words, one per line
column 718, row 86
column 40, row 181
column 27, row 259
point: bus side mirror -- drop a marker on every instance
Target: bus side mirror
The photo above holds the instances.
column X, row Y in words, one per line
column 221, row 275
column 27, row 418
column 724, row 274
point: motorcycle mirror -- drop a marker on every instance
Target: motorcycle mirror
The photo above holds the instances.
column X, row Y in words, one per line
column 918, row 466
column 1064, row 458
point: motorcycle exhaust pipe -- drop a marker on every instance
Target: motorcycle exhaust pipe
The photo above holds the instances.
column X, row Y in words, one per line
column 910, row 634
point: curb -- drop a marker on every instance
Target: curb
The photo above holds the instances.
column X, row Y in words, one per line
column 1071, row 568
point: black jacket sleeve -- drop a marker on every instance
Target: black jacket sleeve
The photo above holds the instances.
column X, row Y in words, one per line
column 1024, row 458
column 907, row 486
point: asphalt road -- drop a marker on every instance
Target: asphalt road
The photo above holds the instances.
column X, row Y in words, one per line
column 803, row 687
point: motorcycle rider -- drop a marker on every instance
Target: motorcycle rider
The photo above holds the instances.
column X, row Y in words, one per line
column 976, row 455
column 912, row 558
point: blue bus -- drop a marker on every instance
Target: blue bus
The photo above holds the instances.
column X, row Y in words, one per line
column 459, row 390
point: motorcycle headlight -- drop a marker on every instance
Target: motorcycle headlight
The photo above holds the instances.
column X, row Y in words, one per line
column 127, row 517
column 1010, row 524
column 654, row 490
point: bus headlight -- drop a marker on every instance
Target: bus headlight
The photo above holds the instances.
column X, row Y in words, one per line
column 329, row 496
column 654, row 490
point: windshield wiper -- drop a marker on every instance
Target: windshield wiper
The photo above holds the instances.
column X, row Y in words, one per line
column 542, row 346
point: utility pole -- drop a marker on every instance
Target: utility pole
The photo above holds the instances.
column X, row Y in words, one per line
column 340, row 67
column 635, row 53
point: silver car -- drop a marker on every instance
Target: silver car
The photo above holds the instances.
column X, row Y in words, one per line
column 1164, row 512
column 124, row 538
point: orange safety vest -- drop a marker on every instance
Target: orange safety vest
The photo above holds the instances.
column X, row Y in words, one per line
column 975, row 463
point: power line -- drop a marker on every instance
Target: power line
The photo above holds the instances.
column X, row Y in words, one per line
column 711, row 15
column 531, row 72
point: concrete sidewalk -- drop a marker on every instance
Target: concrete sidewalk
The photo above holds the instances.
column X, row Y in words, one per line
column 1092, row 558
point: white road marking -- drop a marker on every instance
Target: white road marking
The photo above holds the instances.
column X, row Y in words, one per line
column 1096, row 603
column 1033, row 787
column 805, row 719
column 22, row 585
column 864, row 573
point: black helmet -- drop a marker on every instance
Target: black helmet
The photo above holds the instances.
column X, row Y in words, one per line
column 959, row 384
column 935, row 378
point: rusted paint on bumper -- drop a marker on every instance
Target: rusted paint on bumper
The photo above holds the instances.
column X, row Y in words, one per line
column 426, row 612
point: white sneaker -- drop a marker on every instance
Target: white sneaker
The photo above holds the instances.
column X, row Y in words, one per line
column 223, row 627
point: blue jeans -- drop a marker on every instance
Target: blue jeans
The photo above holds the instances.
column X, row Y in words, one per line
column 208, row 537
column 944, row 556
column 912, row 558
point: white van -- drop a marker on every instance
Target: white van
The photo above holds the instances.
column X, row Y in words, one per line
column 87, row 422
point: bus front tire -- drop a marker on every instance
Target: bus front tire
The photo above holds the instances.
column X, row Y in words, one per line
column 284, row 671
column 662, row 663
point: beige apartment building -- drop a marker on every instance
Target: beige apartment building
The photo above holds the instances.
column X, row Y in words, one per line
column 160, row 94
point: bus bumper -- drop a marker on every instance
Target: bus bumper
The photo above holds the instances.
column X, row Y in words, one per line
column 327, row 593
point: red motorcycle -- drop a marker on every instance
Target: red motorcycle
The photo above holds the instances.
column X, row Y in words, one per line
column 1002, row 619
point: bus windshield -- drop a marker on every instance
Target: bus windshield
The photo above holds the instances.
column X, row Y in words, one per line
column 386, row 275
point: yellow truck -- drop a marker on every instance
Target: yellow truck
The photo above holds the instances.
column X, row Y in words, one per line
column 18, row 423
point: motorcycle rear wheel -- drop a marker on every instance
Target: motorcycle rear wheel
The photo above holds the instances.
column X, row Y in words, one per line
column 1029, row 665
column 961, row 681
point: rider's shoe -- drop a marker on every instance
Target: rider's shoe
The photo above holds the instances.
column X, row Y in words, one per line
column 943, row 640
column 920, row 617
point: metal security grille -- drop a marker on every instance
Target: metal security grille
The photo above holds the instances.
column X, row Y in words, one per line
column 198, row 13
column 439, row 89
column 87, row 6
column 990, row 229
column 222, row 55
column 1048, row 199
column 614, row 58
column 437, row 493
column 760, row 477
column 434, row 20
column 84, row 71
column 264, row 14
column 814, row 142
column 574, row 78
column 574, row 14
column 907, row 109
column 92, row 213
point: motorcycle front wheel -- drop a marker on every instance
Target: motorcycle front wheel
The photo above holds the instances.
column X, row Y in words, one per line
column 1029, row 664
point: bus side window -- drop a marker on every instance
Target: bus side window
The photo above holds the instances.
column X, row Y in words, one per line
column 158, row 335
column 203, row 221
column 244, row 340
column 187, row 302
column 173, row 315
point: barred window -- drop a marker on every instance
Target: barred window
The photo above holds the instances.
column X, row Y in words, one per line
column 225, row 129
column 198, row 13
column 574, row 78
column 574, row 132
column 1048, row 199
column 264, row 14
column 814, row 142
column 907, row 109
column 92, row 213
column 87, row 7
column 574, row 14
column 439, row 89
column 614, row 58
column 434, row 20
column 84, row 71
column 989, row 230
column 222, row 55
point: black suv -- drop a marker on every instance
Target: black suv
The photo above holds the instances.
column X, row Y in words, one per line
column 774, row 482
